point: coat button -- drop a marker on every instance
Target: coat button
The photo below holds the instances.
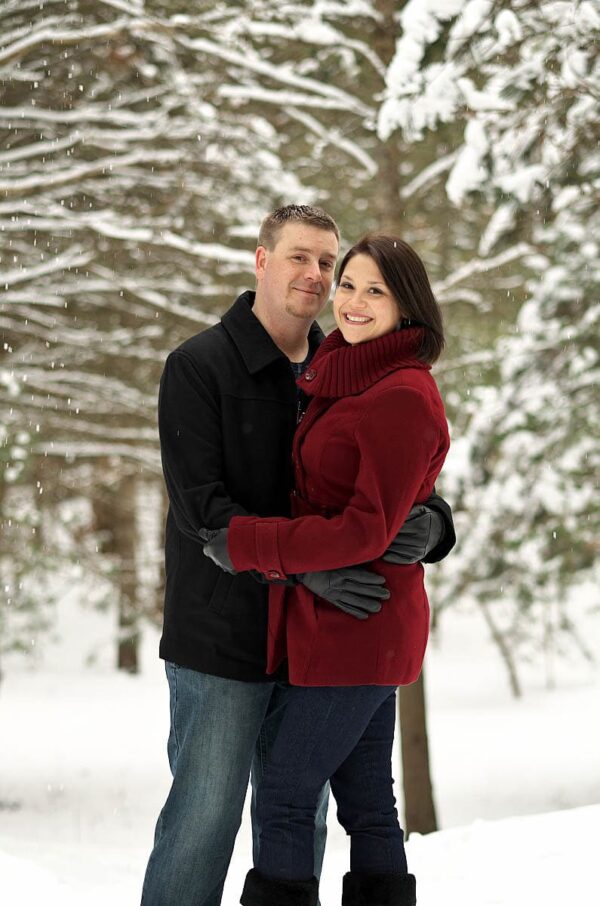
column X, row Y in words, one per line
column 274, row 574
column 310, row 374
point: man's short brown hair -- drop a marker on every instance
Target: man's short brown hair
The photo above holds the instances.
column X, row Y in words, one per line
column 273, row 223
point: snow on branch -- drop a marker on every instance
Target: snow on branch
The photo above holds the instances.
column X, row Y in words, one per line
column 63, row 176
column 41, row 148
column 315, row 32
column 106, row 224
column 87, row 387
column 123, row 343
column 48, row 35
column 481, row 265
column 333, row 97
column 86, row 113
column 74, row 257
column 131, row 7
column 329, row 136
column 133, row 435
column 72, row 450
column 429, row 174
column 285, row 99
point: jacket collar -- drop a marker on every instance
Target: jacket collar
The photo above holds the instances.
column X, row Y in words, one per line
column 339, row 369
column 255, row 346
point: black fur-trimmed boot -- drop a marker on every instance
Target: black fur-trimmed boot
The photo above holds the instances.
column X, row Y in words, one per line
column 261, row 891
column 379, row 890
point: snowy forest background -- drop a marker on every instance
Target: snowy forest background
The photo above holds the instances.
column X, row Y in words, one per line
column 142, row 143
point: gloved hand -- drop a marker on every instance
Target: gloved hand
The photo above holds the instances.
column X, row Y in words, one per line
column 422, row 531
column 216, row 548
column 355, row 590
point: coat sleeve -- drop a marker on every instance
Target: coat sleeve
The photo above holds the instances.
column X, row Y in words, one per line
column 441, row 550
column 402, row 448
column 189, row 423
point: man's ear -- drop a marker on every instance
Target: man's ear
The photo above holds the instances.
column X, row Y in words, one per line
column 260, row 261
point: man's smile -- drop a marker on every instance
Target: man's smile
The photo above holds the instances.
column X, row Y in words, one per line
column 306, row 292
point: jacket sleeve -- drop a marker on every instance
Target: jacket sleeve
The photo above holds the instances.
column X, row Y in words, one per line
column 448, row 540
column 402, row 448
column 189, row 424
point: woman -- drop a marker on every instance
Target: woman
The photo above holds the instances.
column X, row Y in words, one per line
column 372, row 443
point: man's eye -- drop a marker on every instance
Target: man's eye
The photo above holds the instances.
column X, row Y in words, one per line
column 326, row 265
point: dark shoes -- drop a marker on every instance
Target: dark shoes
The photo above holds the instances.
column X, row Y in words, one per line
column 379, row 890
column 261, row 891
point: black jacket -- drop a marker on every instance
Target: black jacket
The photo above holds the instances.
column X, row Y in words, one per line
column 227, row 414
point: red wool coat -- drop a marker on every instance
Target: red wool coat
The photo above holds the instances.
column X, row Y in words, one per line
column 372, row 443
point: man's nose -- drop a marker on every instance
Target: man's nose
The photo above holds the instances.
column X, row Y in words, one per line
column 313, row 272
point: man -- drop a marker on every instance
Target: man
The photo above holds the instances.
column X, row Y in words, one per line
column 227, row 413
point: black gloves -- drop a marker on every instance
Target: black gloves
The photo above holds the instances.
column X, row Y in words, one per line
column 216, row 548
column 420, row 534
column 355, row 590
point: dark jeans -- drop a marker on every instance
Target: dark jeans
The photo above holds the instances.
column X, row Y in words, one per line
column 344, row 734
column 221, row 729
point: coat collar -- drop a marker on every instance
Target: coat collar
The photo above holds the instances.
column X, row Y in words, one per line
column 255, row 346
column 339, row 369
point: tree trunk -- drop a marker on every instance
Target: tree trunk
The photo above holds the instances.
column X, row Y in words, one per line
column 419, row 807
column 115, row 520
column 125, row 535
column 504, row 649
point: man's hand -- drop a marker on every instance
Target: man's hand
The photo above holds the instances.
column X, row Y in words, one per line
column 216, row 548
column 422, row 531
column 355, row 590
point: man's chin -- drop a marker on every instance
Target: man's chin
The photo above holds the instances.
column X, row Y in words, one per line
column 307, row 311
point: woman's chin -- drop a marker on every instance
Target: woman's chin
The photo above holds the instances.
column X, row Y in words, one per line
column 352, row 334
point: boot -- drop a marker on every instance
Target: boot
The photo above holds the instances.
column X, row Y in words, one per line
column 378, row 890
column 261, row 891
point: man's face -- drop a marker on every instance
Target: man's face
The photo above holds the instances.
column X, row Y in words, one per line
column 295, row 277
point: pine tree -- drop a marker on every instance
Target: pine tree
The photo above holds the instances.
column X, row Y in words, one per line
column 522, row 79
column 128, row 188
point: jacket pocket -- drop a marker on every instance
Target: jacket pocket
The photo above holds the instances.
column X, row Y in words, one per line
column 220, row 593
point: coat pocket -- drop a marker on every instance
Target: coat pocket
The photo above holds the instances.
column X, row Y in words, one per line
column 218, row 598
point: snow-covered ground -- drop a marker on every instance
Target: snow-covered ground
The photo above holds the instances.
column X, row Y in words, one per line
column 83, row 773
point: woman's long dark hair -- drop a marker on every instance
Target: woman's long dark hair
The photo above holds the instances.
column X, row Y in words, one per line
column 406, row 277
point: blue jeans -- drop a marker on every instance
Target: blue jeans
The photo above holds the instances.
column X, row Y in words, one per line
column 344, row 734
column 221, row 731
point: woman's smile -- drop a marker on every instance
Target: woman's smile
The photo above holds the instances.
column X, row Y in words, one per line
column 356, row 319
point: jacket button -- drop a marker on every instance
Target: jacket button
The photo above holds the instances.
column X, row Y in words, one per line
column 273, row 574
column 310, row 374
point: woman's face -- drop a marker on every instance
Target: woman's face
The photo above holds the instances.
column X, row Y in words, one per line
column 363, row 305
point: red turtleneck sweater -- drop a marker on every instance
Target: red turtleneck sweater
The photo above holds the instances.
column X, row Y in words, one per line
column 372, row 443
